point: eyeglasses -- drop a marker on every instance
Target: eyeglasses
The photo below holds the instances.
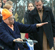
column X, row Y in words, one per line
column 11, row 18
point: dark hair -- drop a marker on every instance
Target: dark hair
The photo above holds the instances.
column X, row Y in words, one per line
column 31, row 3
column 39, row 0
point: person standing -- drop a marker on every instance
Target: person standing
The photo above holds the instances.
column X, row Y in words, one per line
column 1, row 11
column 8, row 6
column 26, row 16
column 44, row 34
column 3, row 3
column 9, row 2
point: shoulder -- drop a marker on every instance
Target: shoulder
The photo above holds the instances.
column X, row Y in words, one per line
column 34, row 11
column 1, row 26
column 16, row 23
column 27, row 12
column 26, row 15
column 47, row 8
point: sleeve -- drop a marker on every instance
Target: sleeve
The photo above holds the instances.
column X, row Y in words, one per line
column 25, row 18
column 5, row 37
column 27, row 28
column 31, row 18
column 28, row 19
column 53, row 22
column 31, row 21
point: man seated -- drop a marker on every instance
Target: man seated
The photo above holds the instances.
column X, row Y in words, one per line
column 10, row 31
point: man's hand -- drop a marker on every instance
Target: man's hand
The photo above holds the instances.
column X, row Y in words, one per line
column 18, row 39
column 54, row 39
column 41, row 24
column 18, row 49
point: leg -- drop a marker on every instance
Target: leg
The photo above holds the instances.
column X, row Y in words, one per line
column 44, row 42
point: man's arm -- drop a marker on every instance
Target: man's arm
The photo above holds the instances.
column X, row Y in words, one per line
column 25, row 18
column 53, row 22
column 30, row 28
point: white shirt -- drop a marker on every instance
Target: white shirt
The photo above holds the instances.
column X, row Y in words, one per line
column 1, row 11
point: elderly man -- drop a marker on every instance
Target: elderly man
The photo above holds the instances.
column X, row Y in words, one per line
column 45, row 33
column 10, row 31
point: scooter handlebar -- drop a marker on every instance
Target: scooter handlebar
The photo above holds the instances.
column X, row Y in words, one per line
column 25, row 40
column 34, row 41
column 20, row 41
column 1, row 47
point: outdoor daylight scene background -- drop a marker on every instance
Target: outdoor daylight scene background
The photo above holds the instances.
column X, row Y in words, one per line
column 20, row 7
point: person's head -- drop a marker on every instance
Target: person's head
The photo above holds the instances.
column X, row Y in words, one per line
column 4, row 1
column 39, row 4
column 0, row 4
column 8, row 6
column 8, row 17
column 30, row 6
column 9, row 2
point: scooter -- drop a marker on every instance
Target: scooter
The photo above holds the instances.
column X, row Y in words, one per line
column 28, row 43
column 1, row 47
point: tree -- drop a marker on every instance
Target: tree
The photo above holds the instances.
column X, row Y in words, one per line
column 16, row 17
column 21, row 6
column 22, row 21
column 15, row 5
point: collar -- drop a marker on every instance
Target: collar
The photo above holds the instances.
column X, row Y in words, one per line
column 35, row 11
column 3, row 23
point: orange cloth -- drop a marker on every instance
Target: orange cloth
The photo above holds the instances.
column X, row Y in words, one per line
column 12, row 27
column 6, row 14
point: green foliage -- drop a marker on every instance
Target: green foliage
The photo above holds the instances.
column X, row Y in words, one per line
column 22, row 21
column 16, row 17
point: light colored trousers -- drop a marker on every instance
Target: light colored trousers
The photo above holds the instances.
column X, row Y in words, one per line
column 45, row 43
